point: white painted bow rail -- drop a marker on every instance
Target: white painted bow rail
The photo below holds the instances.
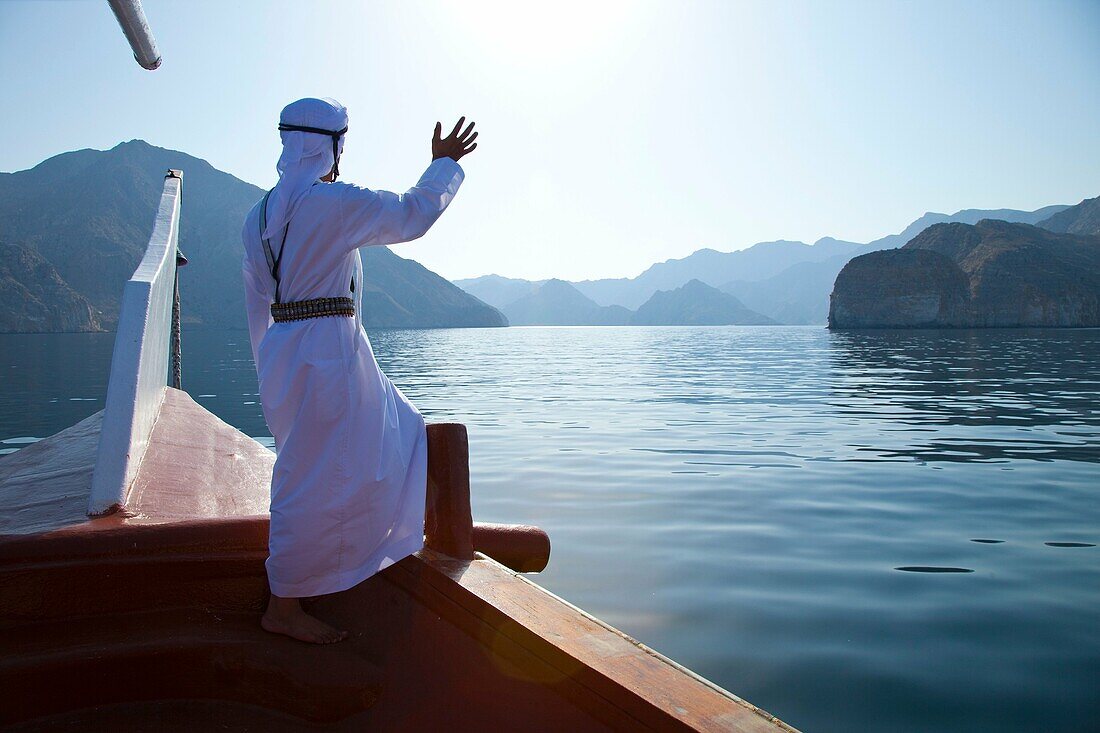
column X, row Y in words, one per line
column 139, row 363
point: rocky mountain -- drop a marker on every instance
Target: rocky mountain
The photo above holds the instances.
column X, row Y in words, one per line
column 557, row 303
column 34, row 298
column 696, row 304
column 989, row 274
column 1084, row 218
column 88, row 215
column 787, row 281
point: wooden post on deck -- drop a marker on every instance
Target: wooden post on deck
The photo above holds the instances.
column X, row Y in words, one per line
column 448, row 522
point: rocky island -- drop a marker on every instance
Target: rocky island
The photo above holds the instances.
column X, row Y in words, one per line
column 990, row 274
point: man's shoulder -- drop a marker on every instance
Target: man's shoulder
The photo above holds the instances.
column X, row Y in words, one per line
column 343, row 189
column 251, row 220
column 325, row 189
column 333, row 194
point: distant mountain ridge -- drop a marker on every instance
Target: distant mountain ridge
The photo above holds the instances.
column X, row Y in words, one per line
column 557, row 303
column 760, row 261
column 81, row 221
column 1084, row 218
column 696, row 304
column 786, row 281
column 402, row 293
column 73, row 228
column 500, row 291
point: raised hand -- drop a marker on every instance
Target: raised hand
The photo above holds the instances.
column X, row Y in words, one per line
column 455, row 145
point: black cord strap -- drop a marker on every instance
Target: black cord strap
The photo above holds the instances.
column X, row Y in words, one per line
column 285, row 127
column 272, row 261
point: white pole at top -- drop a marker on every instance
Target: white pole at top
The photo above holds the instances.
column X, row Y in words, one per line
column 131, row 17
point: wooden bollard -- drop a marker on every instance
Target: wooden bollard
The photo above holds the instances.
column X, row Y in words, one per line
column 448, row 522
column 521, row 547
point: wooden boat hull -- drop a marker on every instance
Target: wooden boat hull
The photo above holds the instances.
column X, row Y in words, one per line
column 110, row 622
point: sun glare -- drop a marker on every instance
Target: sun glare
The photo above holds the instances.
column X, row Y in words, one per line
column 545, row 34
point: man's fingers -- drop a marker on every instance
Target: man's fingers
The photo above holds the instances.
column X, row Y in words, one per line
column 466, row 132
column 467, row 141
column 458, row 126
column 438, row 131
column 470, row 149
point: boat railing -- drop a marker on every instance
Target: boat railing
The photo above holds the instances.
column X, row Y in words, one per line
column 139, row 363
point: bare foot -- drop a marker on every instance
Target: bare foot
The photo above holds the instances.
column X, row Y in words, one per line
column 285, row 616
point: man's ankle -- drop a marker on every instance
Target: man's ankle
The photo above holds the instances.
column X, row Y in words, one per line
column 283, row 606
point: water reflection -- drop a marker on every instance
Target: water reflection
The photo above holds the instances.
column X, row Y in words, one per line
column 1015, row 394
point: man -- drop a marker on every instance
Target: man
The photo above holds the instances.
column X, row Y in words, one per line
column 349, row 483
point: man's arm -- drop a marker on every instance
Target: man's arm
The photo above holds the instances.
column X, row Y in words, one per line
column 382, row 217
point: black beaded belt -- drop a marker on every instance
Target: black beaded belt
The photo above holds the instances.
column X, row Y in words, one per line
column 297, row 310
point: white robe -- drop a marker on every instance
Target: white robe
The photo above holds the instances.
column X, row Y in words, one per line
column 348, row 487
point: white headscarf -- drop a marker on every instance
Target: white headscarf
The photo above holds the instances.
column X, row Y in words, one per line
column 306, row 157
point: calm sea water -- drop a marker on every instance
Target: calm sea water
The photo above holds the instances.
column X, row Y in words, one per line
column 768, row 506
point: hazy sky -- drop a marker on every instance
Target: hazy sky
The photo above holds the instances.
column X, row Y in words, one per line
column 613, row 135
